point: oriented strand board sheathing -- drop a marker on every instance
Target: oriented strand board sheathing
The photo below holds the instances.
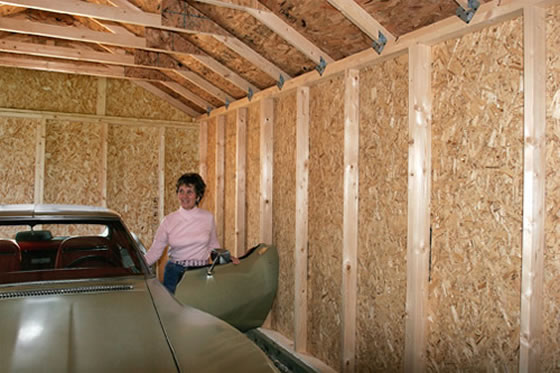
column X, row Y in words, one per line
column 37, row 90
column 382, row 235
column 253, row 175
column 181, row 156
column 477, row 175
column 132, row 178
column 17, row 163
column 284, row 211
column 73, row 163
column 230, row 181
column 326, row 171
column 260, row 38
column 550, row 361
column 209, row 200
column 144, row 104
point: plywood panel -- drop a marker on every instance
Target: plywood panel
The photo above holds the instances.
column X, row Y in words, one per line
column 17, row 163
column 209, row 200
column 551, row 302
column 253, row 175
column 133, row 178
column 284, row 205
column 477, row 201
column 326, row 170
column 229, row 178
column 37, row 90
column 181, row 156
column 144, row 104
column 73, row 163
column 382, row 216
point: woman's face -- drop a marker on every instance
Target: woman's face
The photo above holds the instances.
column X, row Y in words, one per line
column 187, row 196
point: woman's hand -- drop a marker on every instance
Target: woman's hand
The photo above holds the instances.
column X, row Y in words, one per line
column 235, row 260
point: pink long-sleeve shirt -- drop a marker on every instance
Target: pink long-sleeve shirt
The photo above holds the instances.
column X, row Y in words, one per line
column 190, row 235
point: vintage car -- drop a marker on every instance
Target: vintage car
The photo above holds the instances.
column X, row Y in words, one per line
column 77, row 296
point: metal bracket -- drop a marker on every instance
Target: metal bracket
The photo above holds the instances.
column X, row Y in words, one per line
column 250, row 94
column 209, row 110
column 227, row 103
column 321, row 66
column 280, row 82
column 379, row 44
column 467, row 14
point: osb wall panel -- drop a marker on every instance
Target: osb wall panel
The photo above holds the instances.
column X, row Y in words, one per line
column 37, row 90
column 209, row 200
column 230, row 180
column 181, row 156
column 253, row 175
column 477, row 171
column 383, row 219
column 132, row 178
column 551, row 303
column 73, row 167
column 326, row 171
column 17, row 163
column 284, row 210
column 144, row 104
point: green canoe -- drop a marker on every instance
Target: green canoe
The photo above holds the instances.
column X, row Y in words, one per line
column 240, row 294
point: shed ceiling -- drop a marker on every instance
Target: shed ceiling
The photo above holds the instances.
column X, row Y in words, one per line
column 201, row 54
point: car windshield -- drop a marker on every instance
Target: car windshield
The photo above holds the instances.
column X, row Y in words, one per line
column 61, row 249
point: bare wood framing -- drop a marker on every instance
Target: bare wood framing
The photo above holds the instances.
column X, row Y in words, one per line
column 101, row 106
column 267, row 126
column 188, row 95
column 40, row 161
column 203, row 149
column 488, row 14
column 533, row 189
column 240, row 182
column 350, row 219
column 161, row 174
column 419, row 185
column 38, row 114
column 166, row 97
column 220, row 176
column 362, row 19
column 301, row 220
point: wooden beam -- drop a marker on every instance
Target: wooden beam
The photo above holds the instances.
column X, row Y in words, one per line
column 362, row 19
column 92, row 118
column 226, row 73
column 101, row 109
column 85, row 9
column 40, row 162
column 219, row 206
column 419, row 188
column 301, row 220
column 350, row 219
column 266, row 147
column 205, row 85
column 166, row 97
column 241, row 183
column 534, row 183
column 203, row 150
column 176, row 87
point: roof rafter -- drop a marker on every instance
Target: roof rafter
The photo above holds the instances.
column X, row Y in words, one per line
column 178, row 88
column 362, row 19
column 166, row 97
column 276, row 24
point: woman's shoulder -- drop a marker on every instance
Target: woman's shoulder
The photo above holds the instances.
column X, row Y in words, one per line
column 203, row 212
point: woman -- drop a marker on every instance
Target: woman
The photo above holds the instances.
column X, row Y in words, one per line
column 189, row 232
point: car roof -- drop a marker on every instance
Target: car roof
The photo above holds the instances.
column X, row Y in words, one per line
column 56, row 210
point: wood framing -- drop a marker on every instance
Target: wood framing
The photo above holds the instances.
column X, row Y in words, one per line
column 40, row 162
column 267, row 126
column 166, row 97
column 301, row 220
column 101, row 108
column 419, row 189
column 350, row 218
column 241, row 183
column 533, row 189
column 203, row 150
column 219, row 212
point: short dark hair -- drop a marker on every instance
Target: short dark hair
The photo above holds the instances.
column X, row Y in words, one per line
column 196, row 181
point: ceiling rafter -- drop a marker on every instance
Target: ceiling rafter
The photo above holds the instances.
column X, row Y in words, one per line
column 178, row 88
column 166, row 97
column 276, row 24
column 361, row 19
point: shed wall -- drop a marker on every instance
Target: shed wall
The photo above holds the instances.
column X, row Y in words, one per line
column 230, row 181
column 253, row 175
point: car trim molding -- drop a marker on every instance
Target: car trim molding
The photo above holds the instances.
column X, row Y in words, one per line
column 75, row 290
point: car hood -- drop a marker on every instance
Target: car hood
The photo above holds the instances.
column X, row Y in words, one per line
column 82, row 327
